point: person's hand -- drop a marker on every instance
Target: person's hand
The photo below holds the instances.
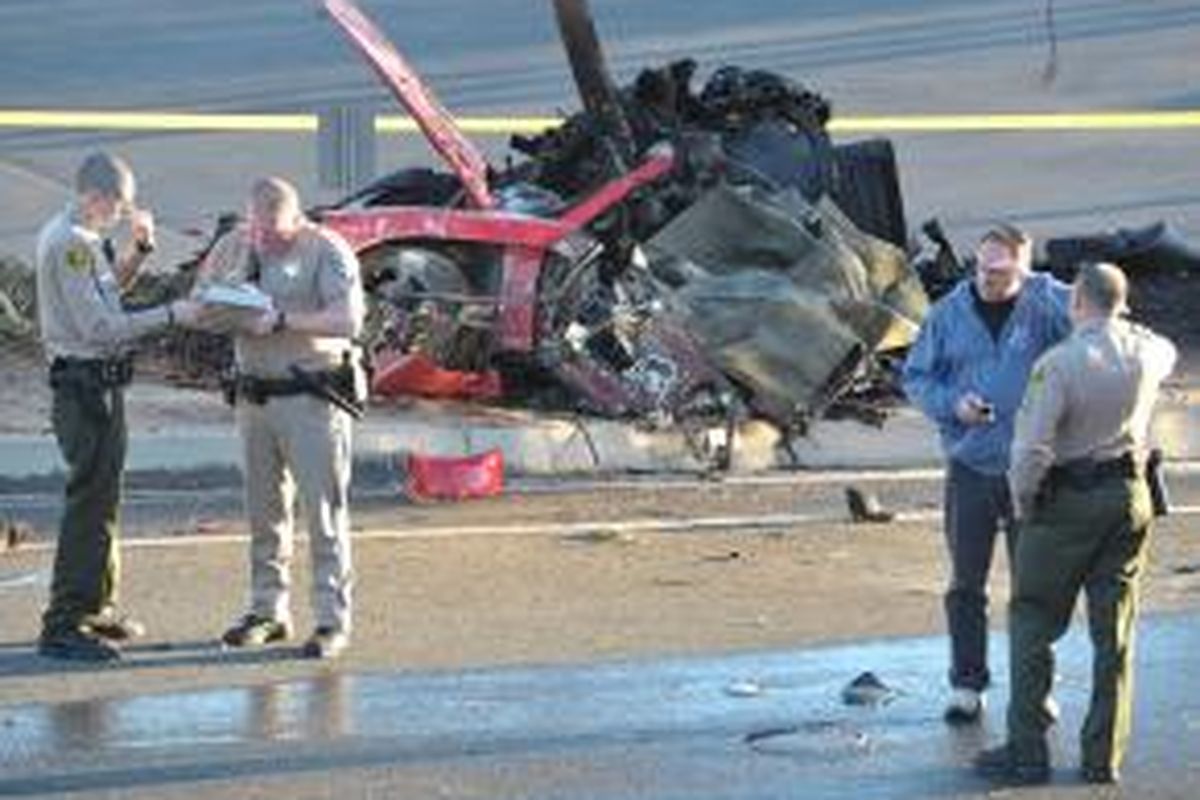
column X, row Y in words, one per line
column 972, row 409
column 263, row 324
column 186, row 312
column 141, row 226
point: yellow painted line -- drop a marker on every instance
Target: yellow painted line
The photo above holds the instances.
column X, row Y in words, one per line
column 307, row 123
column 961, row 123
column 242, row 123
column 557, row 530
column 158, row 121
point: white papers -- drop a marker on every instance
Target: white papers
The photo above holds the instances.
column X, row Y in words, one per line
column 239, row 296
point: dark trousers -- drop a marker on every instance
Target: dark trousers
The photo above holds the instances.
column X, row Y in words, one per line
column 89, row 423
column 976, row 507
column 1092, row 540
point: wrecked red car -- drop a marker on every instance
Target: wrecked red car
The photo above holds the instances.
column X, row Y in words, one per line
column 674, row 256
column 667, row 255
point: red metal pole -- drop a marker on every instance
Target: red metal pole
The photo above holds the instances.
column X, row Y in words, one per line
column 435, row 122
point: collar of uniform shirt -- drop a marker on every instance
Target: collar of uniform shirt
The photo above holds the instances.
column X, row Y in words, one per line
column 75, row 215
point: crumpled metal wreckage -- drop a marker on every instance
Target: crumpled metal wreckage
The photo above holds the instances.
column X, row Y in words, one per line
column 673, row 256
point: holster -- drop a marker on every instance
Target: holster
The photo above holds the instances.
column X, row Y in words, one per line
column 1160, row 498
column 336, row 386
column 99, row 373
column 1084, row 474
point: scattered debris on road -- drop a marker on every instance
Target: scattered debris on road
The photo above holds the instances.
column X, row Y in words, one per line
column 744, row 688
column 867, row 690
column 680, row 252
column 430, row 478
column 15, row 533
column 864, row 506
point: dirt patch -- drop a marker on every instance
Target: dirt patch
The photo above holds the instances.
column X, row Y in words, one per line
column 494, row 600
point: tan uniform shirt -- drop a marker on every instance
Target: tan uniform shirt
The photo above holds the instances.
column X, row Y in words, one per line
column 79, row 299
column 1089, row 397
column 319, row 271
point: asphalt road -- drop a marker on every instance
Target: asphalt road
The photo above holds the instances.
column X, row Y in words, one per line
column 280, row 54
column 869, row 57
column 179, row 718
column 763, row 725
column 550, row 507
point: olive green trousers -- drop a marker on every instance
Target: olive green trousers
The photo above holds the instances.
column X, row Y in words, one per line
column 89, row 423
column 1093, row 540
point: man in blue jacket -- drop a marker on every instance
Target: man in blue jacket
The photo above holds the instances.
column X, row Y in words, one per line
column 967, row 372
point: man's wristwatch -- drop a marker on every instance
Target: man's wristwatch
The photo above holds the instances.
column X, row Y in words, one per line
column 144, row 247
column 280, row 321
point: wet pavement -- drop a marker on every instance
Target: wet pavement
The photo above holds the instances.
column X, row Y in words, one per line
column 653, row 729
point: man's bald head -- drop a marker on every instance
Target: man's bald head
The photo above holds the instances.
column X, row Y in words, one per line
column 104, row 189
column 106, row 175
column 274, row 195
column 274, row 214
column 1103, row 288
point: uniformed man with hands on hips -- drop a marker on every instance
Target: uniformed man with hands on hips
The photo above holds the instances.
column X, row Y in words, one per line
column 1081, row 498
column 297, row 387
column 85, row 334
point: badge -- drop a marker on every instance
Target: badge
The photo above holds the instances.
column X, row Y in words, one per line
column 291, row 270
column 79, row 257
column 1036, row 380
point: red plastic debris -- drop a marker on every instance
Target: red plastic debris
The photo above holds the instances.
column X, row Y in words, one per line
column 454, row 477
column 415, row 374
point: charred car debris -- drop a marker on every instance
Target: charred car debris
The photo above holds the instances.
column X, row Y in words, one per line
column 672, row 255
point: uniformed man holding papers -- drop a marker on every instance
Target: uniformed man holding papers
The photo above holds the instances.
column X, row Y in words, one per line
column 292, row 293
column 86, row 334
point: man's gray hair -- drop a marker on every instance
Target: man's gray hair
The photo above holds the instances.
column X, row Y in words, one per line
column 275, row 194
column 105, row 174
column 1103, row 286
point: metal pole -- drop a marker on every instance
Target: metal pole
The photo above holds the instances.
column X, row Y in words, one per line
column 592, row 79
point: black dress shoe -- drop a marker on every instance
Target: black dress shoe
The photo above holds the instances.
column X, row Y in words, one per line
column 325, row 643
column 77, row 645
column 1002, row 765
column 113, row 625
column 255, row 631
column 1099, row 774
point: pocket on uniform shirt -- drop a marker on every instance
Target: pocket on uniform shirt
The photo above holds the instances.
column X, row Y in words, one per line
column 288, row 286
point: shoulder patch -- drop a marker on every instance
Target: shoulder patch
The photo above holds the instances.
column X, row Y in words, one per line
column 1037, row 382
column 79, row 257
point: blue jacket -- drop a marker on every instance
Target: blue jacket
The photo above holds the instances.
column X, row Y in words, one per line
column 955, row 354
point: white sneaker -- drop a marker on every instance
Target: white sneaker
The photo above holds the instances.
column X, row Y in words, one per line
column 1050, row 710
column 965, row 706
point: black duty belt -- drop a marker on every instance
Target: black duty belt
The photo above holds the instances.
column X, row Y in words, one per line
column 1084, row 473
column 335, row 386
column 260, row 390
column 104, row 372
